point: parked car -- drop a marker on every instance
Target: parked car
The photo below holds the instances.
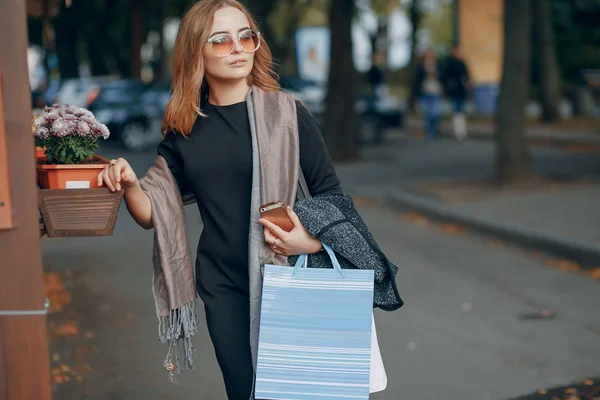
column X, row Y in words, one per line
column 77, row 91
column 118, row 104
column 376, row 112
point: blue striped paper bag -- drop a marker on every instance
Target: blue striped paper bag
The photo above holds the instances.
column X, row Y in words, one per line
column 315, row 332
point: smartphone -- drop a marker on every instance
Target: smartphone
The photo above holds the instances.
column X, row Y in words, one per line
column 276, row 213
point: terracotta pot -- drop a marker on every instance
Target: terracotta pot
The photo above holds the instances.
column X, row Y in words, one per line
column 39, row 153
column 70, row 176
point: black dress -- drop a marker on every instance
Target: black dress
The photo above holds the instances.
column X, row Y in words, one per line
column 215, row 163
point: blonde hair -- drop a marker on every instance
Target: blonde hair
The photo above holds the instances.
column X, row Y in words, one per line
column 188, row 65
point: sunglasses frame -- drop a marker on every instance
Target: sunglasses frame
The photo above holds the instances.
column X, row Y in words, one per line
column 233, row 40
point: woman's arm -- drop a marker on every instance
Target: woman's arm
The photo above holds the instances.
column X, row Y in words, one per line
column 139, row 205
column 119, row 174
column 315, row 161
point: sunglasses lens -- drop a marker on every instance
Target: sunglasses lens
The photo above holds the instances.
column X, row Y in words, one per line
column 249, row 41
column 222, row 45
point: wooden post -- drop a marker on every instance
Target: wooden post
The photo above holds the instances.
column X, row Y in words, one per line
column 24, row 361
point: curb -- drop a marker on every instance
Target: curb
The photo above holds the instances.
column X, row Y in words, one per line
column 586, row 256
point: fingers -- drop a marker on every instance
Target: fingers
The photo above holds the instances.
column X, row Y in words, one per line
column 274, row 242
column 107, row 179
column 275, row 230
column 269, row 237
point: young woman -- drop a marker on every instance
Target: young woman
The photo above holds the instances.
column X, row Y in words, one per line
column 430, row 91
column 219, row 55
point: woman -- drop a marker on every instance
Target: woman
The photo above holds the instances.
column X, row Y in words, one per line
column 219, row 55
column 429, row 91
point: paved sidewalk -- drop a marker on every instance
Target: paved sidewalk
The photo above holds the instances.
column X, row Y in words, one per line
column 485, row 130
column 452, row 182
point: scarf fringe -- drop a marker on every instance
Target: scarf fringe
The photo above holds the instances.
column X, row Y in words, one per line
column 177, row 330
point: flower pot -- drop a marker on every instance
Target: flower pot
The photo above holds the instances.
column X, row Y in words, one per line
column 79, row 212
column 40, row 153
column 71, row 176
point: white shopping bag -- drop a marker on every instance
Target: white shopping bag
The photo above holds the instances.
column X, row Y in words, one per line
column 378, row 378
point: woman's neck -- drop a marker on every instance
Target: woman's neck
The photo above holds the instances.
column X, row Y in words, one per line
column 223, row 93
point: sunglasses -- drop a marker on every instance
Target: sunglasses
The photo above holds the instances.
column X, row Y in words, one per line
column 223, row 43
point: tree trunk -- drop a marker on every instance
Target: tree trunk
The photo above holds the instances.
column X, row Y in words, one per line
column 547, row 62
column 340, row 119
column 513, row 159
column 137, row 38
column 67, row 29
column 415, row 21
column 98, row 42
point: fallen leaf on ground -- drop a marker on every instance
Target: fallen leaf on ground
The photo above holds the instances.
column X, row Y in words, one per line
column 453, row 229
column 542, row 391
column 68, row 328
column 416, row 218
column 595, row 273
column 365, row 201
column 588, row 382
column 85, row 367
column 564, row 265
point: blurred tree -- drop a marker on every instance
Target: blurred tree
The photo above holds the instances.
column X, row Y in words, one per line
column 67, row 28
column 577, row 36
column 513, row 158
column 99, row 19
column 340, row 117
column 546, row 61
column 379, row 36
column 416, row 16
column 138, row 33
column 284, row 20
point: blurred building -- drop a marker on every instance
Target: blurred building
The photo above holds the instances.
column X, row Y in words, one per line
column 479, row 30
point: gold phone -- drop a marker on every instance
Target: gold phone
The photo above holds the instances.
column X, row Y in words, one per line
column 276, row 213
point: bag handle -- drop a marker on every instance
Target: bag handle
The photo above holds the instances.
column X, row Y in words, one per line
column 302, row 261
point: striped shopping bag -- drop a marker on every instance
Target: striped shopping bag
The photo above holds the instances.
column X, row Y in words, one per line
column 315, row 332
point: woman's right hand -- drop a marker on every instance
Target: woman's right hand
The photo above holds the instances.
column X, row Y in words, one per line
column 117, row 174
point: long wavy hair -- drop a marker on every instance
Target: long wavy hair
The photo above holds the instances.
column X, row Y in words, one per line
column 188, row 65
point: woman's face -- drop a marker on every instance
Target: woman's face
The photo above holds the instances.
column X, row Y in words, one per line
column 238, row 64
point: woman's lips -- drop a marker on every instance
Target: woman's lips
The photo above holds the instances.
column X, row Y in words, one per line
column 238, row 63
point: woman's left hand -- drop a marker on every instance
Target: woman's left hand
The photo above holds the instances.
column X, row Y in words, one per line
column 297, row 241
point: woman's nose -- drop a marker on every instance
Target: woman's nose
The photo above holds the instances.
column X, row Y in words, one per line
column 237, row 47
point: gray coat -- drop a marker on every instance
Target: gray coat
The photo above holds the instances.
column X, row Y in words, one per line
column 333, row 219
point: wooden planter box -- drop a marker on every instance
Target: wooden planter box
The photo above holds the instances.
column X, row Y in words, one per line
column 78, row 212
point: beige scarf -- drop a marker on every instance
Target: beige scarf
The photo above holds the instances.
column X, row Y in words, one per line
column 275, row 156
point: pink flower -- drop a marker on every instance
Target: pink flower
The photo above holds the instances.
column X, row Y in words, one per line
column 83, row 128
column 51, row 117
column 42, row 133
column 59, row 128
column 40, row 121
column 71, row 109
column 104, row 131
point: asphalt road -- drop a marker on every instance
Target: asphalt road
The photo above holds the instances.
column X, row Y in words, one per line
column 481, row 321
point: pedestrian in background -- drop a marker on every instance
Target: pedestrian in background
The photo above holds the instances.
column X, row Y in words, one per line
column 455, row 78
column 429, row 90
